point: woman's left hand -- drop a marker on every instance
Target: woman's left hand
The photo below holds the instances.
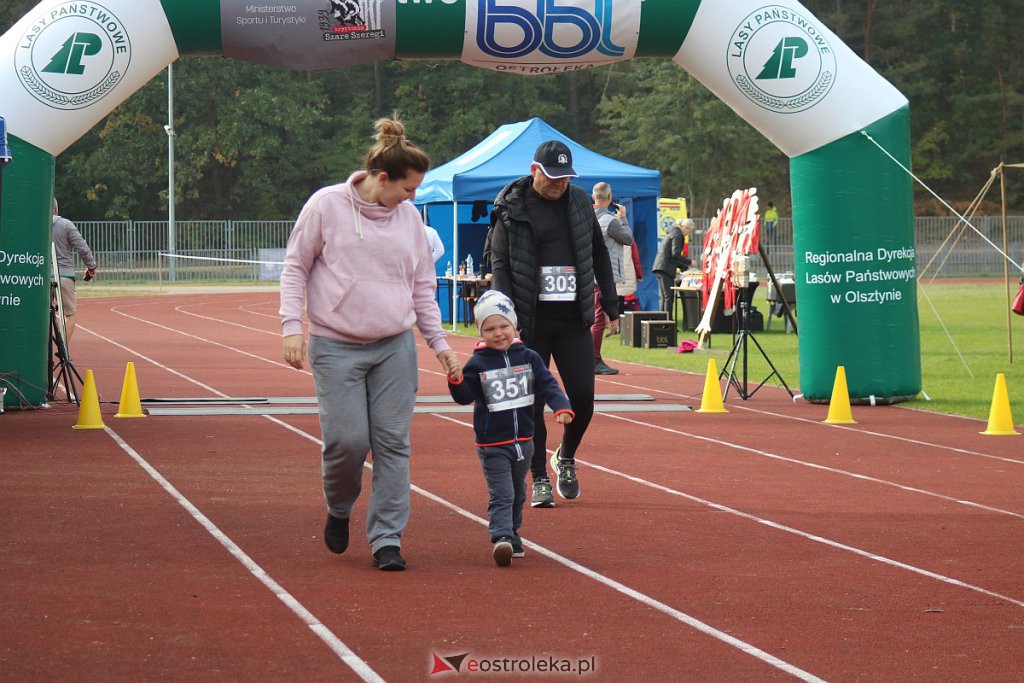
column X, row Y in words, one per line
column 450, row 365
column 294, row 348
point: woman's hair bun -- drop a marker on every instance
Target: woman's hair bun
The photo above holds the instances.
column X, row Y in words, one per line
column 390, row 131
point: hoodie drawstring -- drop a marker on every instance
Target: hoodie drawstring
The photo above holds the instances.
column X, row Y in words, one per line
column 357, row 216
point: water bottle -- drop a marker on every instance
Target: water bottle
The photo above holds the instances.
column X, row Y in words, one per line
column 448, row 270
column 469, row 264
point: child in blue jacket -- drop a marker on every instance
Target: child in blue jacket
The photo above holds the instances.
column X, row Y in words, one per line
column 502, row 379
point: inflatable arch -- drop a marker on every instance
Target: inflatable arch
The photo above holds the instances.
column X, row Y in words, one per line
column 67, row 63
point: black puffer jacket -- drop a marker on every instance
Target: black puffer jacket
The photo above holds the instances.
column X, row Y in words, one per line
column 513, row 254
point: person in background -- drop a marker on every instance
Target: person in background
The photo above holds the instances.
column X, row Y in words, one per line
column 359, row 257
column 505, row 380
column 617, row 235
column 634, row 273
column 436, row 245
column 548, row 255
column 68, row 242
column 771, row 222
column 670, row 257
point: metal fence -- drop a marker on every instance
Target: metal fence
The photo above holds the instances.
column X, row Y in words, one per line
column 130, row 250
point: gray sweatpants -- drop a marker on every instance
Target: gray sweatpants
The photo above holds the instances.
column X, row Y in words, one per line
column 367, row 393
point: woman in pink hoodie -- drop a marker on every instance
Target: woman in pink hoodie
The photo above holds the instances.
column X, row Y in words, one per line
column 360, row 258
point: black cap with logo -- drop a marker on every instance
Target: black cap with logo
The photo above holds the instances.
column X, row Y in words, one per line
column 555, row 159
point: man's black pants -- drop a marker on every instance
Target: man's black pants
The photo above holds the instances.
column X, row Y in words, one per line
column 569, row 344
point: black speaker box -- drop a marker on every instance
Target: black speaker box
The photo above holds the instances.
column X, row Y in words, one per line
column 630, row 332
column 658, row 334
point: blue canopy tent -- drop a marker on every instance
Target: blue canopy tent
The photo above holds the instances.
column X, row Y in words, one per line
column 449, row 191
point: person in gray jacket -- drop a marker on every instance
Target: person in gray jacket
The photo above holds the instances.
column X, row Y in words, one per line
column 617, row 235
column 669, row 258
column 69, row 241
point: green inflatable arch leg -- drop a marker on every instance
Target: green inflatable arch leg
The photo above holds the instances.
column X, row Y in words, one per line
column 68, row 63
column 25, row 274
column 856, row 267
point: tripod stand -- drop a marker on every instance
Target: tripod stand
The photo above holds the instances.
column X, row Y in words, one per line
column 740, row 348
column 62, row 370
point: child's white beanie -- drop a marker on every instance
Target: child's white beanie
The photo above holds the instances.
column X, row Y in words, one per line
column 493, row 302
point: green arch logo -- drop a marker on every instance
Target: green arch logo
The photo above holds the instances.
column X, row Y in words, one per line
column 781, row 60
column 73, row 55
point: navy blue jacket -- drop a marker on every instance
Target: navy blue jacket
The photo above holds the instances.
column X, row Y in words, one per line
column 512, row 424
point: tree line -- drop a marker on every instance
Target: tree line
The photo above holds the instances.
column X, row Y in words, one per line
column 255, row 141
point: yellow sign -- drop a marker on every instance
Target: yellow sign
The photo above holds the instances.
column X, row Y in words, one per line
column 670, row 212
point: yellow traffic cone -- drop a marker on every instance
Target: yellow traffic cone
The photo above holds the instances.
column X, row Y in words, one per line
column 711, row 401
column 89, row 412
column 839, row 407
column 1000, row 419
column 130, row 405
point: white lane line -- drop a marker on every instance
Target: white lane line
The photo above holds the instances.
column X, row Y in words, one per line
column 350, row 658
column 740, row 447
column 172, row 371
column 835, row 471
column 860, row 429
column 781, row 527
column 232, row 348
column 812, row 537
column 816, row 466
column 632, row 593
column 181, row 309
column 116, row 310
column 910, row 489
column 325, row 633
column 245, row 308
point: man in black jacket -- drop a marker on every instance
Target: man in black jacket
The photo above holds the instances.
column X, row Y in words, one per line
column 669, row 259
column 547, row 254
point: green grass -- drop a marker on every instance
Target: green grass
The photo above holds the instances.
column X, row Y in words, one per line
column 974, row 313
column 145, row 288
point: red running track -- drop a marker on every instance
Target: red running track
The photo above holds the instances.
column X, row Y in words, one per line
column 759, row 544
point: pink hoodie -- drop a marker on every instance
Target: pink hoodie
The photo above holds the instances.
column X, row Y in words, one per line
column 366, row 271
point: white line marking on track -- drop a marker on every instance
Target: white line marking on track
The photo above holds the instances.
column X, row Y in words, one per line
column 116, row 310
column 246, row 307
column 854, row 475
column 618, row 587
column 807, row 535
column 329, row 637
column 859, row 429
column 181, row 309
column 350, row 658
column 230, row 348
column 782, row 527
column 813, row 465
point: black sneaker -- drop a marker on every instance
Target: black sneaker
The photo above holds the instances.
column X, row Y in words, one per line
column 517, row 549
column 542, row 497
column 568, row 485
column 389, row 559
column 601, row 368
column 336, row 534
column 503, row 551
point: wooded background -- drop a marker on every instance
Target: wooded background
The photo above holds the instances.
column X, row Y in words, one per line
column 253, row 142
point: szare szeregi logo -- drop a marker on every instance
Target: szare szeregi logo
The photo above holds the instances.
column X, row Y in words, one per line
column 781, row 60
column 352, row 20
column 73, row 55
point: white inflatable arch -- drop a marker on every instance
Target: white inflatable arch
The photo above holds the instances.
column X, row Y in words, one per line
column 67, row 63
